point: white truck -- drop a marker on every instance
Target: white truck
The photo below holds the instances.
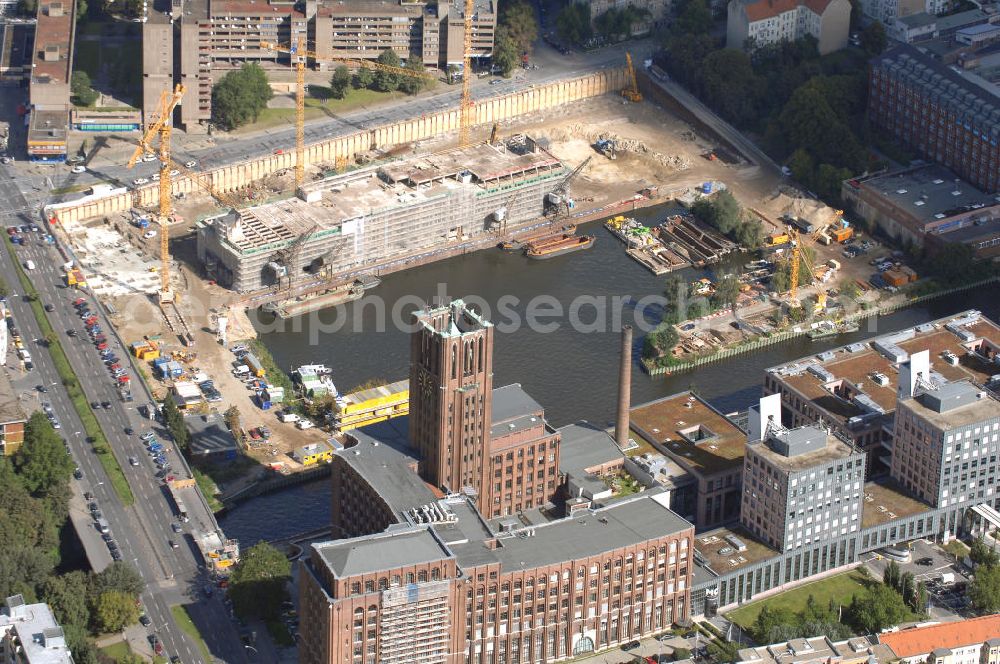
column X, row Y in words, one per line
column 288, row 417
column 947, row 577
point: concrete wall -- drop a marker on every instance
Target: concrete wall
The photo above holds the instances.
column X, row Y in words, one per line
column 234, row 176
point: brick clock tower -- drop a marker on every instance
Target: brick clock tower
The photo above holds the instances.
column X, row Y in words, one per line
column 451, row 389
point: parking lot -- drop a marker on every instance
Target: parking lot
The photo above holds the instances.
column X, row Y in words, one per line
column 927, row 563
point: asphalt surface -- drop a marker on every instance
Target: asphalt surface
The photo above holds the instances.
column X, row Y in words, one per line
column 143, row 531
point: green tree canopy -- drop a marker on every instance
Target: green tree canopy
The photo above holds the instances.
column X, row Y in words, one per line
column 573, row 23
column 519, row 22
column 387, row 81
column 66, row 594
column 727, row 290
column 80, row 89
column 175, row 423
column 114, row 610
column 411, row 85
column 984, row 589
column 505, row 52
column 340, row 82
column 730, row 85
column 873, row 38
column 880, row 607
column 119, row 576
column 43, row 462
column 363, row 78
column 240, row 96
column 257, row 584
column 981, row 554
column 694, row 17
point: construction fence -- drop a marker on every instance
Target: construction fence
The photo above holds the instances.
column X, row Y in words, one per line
column 346, row 148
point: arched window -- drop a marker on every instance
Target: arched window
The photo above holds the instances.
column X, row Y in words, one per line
column 383, row 583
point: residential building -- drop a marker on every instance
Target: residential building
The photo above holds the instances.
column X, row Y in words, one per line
column 973, row 26
column 853, row 389
column 800, row 485
column 945, row 438
column 655, row 11
column 707, row 445
column 818, row 650
column 49, row 86
column 949, row 117
column 890, row 11
column 755, row 23
column 12, row 418
column 211, row 440
column 29, row 634
column 970, row 641
column 927, row 206
column 213, row 37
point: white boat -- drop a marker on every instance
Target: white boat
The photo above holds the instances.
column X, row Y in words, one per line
column 318, row 369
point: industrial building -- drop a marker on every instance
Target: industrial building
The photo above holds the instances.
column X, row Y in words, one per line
column 948, row 116
column 195, row 43
column 367, row 219
column 927, row 206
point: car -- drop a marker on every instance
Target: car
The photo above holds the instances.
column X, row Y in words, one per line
column 70, row 333
column 279, row 151
column 149, row 156
column 105, row 405
column 173, row 544
column 116, row 555
column 155, row 177
column 49, row 308
column 55, row 423
column 139, row 181
column 926, row 561
column 95, row 405
column 88, row 496
column 145, row 620
column 207, row 589
column 631, row 645
column 190, row 164
column 133, row 461
column 79, row 169
column 113, row 545
column 174, row 173
column 148, row 235
column 107, row 537
column 147, row 436
column 176, row 527
column 41, row 388
column 93, row 507
column 78, row 474
column 175, row 660
column 129, row 431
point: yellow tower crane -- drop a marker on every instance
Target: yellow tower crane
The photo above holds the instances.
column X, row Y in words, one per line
column 467, row 107
column 631, row 91
column 300, row 53
column 798, row 257
column 161, row 127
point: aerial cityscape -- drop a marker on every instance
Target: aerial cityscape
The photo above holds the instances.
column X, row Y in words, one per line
column 499, row 331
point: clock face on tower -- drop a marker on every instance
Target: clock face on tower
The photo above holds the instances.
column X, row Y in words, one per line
column 426, row 383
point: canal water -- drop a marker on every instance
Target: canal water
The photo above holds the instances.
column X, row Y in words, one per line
column 571, row 372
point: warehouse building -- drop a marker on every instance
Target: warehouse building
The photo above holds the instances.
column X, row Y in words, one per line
column 370, row 218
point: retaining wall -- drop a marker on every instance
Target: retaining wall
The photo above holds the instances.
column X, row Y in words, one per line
column 234, row 176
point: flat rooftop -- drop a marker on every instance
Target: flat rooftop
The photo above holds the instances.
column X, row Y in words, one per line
column 378, row 392
column 48, row 125
column 10, row 407
column 971, row 411
column 396, row 547
column 42, row 639
column 209, row 434
column 514, row 410
column 51, row 62
column 858, row 363
column 591, row 533
column 927, row 193
column 722, row 557
column 833, row 448
column 885, row 501
column 692, row 432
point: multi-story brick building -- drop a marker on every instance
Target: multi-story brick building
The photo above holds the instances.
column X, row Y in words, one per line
column 800, row 486
column 195, row 43
column 853, row 389
column 944, row 115
column 752, row 24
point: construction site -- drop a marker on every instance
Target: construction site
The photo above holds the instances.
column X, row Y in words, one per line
column 366, row 219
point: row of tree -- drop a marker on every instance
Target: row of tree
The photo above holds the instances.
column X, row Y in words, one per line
column 34, row 509
column 240, row 96
column 984, row 589
column 380, row 80
column 723, row 212
column 517, row 30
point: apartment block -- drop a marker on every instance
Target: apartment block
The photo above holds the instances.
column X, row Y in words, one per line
column 707, row 445
column 949, row 117
column 48, row 88
column 970, row 641
column 755, row 23
column 29, row 634
column 196, row 43
column 853, row 389
column 819, row 650
column 801, row 485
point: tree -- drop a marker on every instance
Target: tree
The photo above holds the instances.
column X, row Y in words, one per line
column 175, row 423
column 873, row 39
column 984, row 590
column 119, row 576
column 750, row 234
column 880, row 607
column 890, row 575
column 133, row 8
column 81, row 9
column 66, row 594
column 240, row 96
column 42, row 462
column 730, row 86
column 694, row 18
column 721, row 650
column 573, row 23
column 518, row 21
column 232, row 418
column 79, row 86
column 849, row 289
column 727, row 290
column 363, row 78
column 722, row 211
column 340, row 82
column 411, row 85
column 505, row 53
column 114, row 610
column 981, row 554
column 919, row 604
column 257, row 584
column 387, row 81
column 907, row 587
column 769, row 621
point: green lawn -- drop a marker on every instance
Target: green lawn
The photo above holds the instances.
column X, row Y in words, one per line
column 208, row 489
column 117, row 651
column 318, row 106
column 957, row 549
column 183, row 620
column 840, row 588
column 65, row 370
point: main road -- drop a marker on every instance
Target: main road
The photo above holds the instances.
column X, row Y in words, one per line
column 144, row 530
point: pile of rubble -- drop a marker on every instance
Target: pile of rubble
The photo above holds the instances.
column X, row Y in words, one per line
column 636, row 146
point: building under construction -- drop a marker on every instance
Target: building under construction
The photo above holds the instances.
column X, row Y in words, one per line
column 367, row 220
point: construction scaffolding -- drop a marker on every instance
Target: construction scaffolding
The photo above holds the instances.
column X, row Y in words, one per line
column 361, row 219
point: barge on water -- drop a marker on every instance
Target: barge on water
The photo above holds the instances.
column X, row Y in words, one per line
column 645, row 245
column 560, row 246
column 331, row 297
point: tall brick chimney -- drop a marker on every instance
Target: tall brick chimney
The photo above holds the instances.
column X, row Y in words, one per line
column 624, row 388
